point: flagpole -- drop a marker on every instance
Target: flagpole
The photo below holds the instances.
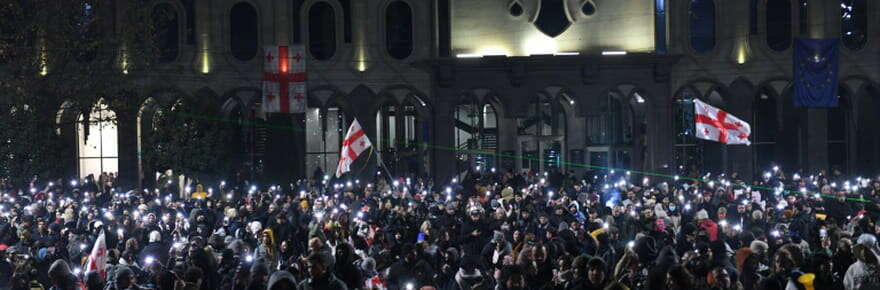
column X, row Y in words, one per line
column 381, row 163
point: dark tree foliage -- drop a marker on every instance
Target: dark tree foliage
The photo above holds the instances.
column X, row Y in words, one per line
column 25, row 145
column 74, row 51
column 190, row 140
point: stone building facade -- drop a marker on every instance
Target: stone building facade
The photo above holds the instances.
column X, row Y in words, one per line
column 443, row 86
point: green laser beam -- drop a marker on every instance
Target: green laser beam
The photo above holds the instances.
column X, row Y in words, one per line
column 519, row 157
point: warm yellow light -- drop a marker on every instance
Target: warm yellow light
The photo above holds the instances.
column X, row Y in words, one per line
column 123, row 63
column 206, row 55
column 361, row 59
column 540, row 44
column 206, row 62
column 741, row 55
column 493, row 50
column 44, row 66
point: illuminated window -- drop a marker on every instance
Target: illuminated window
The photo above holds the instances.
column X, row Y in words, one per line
column 397, row 135
column 688, row 153
column 779, row 24
column 476, row 130
column 612, row 124
column 702, row 25
column 98, row 146
column 399, row 30
column 322, row 31
column 243, row 40
column 325, row 130
column 546, row 118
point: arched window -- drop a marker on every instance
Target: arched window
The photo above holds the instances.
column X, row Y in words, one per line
column 243, row 40
column 386, row 128
column 325, row 130
column 397, row 134
column 165, row 23
column 322, row 31
column 838, row 134
column 546, row 118
column 476, row 129
column 98, row 144
column 688, row 154
column 854, row 23
column 702, row 25
column 144, row 127
column 765, row 126
column 605, row 126
column 399, row 30
column 779, row 24
column 410, row 125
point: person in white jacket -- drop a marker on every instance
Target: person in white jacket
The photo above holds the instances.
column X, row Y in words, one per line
column 864, row 274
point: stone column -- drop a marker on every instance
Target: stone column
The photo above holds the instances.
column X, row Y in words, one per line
column 285, row 148
column 128, row 155
column 444, row 137
column 814, row 121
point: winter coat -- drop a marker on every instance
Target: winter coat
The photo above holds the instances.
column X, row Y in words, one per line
column 861, row 276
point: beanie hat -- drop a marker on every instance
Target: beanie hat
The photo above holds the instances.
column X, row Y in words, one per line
column 702, row 215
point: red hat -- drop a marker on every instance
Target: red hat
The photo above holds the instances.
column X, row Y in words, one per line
column 3, row 247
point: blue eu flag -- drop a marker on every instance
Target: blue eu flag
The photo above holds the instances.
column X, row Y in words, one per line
column 815, row 72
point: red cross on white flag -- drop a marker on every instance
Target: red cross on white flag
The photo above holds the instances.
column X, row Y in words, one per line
column 714, row 124
column 355, row 143
column 98, row 258
column 284, row 79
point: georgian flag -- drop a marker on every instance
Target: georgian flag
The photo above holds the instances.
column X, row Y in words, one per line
column 375, row 283
column 98, row 258
column 284, row 79
column 714, row 124
column 355, row 143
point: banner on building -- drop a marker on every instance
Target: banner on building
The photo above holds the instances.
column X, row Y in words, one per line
column 815, row 72
column 284, row 79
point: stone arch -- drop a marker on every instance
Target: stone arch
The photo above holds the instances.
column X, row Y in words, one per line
column 249, row 97
column 66, row 119
column 145, row 125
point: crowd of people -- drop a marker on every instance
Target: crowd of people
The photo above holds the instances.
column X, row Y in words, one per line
column 485, row 230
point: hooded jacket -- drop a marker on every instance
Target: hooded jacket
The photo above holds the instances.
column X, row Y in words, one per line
column 278, row 277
